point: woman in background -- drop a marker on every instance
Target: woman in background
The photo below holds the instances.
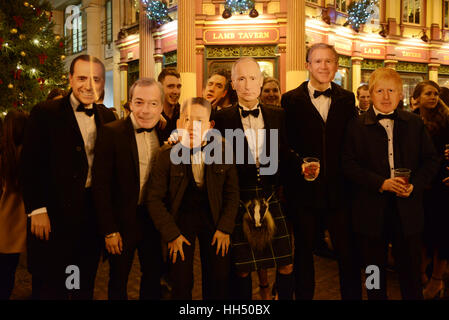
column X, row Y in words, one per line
column 12, row 212
column 435, row 114
column 271, row 92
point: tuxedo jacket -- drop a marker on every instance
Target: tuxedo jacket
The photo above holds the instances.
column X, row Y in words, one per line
column 273, row 117
column 116, row 180
column 366, row 165
column 169, row 182
column 54, row 165
column 310, row 136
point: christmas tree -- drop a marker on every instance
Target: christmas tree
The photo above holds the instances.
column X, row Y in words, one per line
column 31, row 55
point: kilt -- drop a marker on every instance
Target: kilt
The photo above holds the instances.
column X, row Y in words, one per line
column 277, row 253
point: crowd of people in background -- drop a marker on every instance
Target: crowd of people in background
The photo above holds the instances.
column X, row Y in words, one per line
column 79, row 183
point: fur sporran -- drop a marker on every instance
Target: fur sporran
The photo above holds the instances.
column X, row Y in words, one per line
column 258, row 224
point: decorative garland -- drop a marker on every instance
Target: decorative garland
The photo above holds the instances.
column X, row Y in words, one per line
column 239, row 6
column 359, row 12
column 156, row 11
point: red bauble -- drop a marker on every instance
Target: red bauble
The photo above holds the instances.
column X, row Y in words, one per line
column 42, row 57
column 61, row 44
column 19, row 20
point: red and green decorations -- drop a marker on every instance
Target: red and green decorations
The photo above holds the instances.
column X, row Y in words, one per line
column 30, row 54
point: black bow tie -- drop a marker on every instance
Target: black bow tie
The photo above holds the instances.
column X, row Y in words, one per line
column 326, row 92
column 392, row 116
column 140, row 130
column 254, row 112
column 88, row 111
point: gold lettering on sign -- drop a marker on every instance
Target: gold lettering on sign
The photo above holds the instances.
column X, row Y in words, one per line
column 371, row 50
column 411, row 54
column 253, row 35
column 223, row 35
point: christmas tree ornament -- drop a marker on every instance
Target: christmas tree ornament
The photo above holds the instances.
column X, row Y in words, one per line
column 19, row 21
column 42, row 57
column 57, row 38
column 156, row 11
column 41, row 81
column 62, row 57
column 28, row 43
column 17, row 74
column 239, row 6
column 1, row 82
column 359, row 12
column 61, row 44
column 63, row 76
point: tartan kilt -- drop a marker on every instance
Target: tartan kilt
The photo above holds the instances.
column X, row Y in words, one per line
column 277, row 253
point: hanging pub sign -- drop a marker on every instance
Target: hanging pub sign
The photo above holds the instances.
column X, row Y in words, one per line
column 241, row 35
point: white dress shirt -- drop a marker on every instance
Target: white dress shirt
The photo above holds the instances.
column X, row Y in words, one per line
column 88, row 131
column 197, row 160
column 147, row 148
column 388, row 125
column 322, row 103
column 254, row 135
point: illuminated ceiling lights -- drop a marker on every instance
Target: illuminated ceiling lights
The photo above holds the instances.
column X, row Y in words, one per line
column 240, row 6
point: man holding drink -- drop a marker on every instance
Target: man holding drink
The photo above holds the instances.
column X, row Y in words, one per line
column 317, row 113
column 389, row 158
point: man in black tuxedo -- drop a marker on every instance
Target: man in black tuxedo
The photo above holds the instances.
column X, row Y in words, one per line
column 317, row 114
column 124, row 156
column 387, row 208
column 258, row 179
column 56, row 177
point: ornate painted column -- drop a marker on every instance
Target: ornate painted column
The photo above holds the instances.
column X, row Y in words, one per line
column 296, row 44
column 356, row 73
column 123, row 83
column 433, row 71
column 95, row 14
column 186, row 48
column 146, row 45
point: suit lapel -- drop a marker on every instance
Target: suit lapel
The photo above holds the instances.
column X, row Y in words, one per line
column 131, row 137
column 399, row 131
column 335, row 97
column 70, row 118
column 310, row 107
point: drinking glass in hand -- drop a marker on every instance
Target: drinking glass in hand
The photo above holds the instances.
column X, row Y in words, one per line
column 403, row 174
column 311, row 168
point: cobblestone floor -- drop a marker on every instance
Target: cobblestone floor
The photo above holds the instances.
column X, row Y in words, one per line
column 327, row 285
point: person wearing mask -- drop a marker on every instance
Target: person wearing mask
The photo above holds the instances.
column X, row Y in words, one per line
column 56, row 177
column 389, row 158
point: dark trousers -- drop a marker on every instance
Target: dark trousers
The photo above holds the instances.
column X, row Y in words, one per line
column 339, row 226
column 215, row 268
column 150, row 258
column 78, row 246
column 8, row 265
column 407, row 256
